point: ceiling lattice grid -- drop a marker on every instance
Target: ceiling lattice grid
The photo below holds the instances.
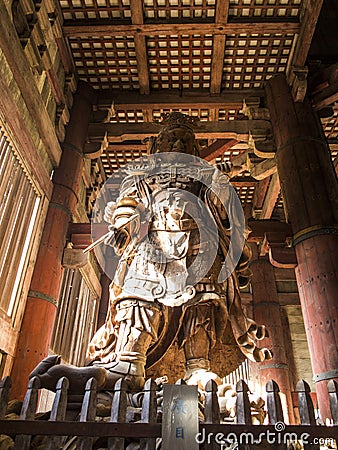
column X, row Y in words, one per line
column 264, row 8
column 179, row 9
column 184, row 55
column 105, row 62
column 95, row 9
column 182, row 48
column 180, row 62
column 250, row 60
column 173, row 10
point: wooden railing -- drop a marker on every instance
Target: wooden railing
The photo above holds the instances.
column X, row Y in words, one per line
column 116, row 430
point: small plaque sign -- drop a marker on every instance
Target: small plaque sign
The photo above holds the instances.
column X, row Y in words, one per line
column 180, row 417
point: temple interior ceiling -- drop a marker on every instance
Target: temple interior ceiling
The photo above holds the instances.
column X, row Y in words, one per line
column 205, row 58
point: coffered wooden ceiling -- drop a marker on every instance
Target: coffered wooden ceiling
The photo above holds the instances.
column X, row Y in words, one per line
column 207, row 58
column 180, row 44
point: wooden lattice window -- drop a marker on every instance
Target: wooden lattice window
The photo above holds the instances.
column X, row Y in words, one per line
column 241, row 373
column 75, row 320
column 19, row 212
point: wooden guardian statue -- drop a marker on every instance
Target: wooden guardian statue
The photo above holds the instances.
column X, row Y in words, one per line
column 183, row 258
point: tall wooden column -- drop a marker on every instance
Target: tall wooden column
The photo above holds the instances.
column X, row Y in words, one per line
column 38, row 320
column 310, row 193
column 267, row 310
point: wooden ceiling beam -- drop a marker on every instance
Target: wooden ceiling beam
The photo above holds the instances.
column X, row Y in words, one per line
column 259, row 228
column 230, row 99
column 306, row 32
column 218, row 50
column 217, row 148
column 87, row 29
column 127, row 147
column 140, row 47
column 139, row 146
column 263, row 169
column 271, row 197
column 326, row 98
column 260, row 193
column 217, row 64
column 241, row 130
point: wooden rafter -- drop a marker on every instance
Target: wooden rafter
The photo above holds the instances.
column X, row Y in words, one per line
column 217, row 148
column 326, row 97
column 175, row 99
column 263, row 169
column 106, row 28
column 240, row 130
column 271, row 197
column 217, row 62
column 140, row 47
column 260, row 194
column 307, row 29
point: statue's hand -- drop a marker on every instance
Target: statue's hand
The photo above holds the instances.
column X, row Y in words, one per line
column 109, row 212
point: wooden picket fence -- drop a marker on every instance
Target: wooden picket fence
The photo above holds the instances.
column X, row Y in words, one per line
column 148, row 429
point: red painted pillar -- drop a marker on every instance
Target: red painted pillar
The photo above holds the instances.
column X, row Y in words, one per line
column 267, row 310
column 38, row 320
column 310, row 192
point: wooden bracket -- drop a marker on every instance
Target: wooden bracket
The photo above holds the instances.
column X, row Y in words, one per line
column 74, row 258
column 298, row 82
column 95, row 149
column 280, row 254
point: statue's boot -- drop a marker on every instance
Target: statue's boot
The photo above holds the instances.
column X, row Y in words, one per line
column 134, row 338
column 138, row 328
column 130, row 366
column 49, row 371
column 196, row 349
column 198, row 373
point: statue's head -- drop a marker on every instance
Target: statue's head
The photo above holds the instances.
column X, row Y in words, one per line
column 177, row 135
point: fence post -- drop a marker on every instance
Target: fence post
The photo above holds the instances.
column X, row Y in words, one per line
column 243, row 409
column 275, row 410
column 211, row 405
column 118, row 412
column 332, row 387
column 149, row 412
column 58, row 412
column 5, row 387
column 305, row 407
column 211, row 410
column 88, row 413
column 28, row 410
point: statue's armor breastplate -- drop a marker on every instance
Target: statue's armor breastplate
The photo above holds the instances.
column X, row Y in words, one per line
column 161, row 266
